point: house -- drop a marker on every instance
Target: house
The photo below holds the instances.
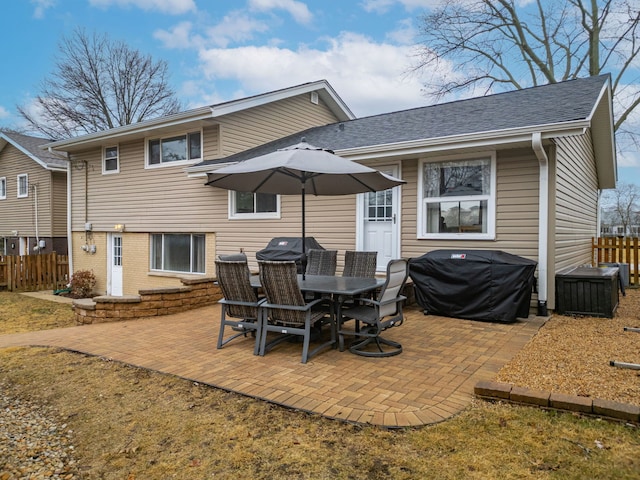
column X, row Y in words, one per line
column 33, row 197
column 138, row 221
column 519, row 171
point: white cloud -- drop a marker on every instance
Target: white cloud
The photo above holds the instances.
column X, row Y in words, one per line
column 404, row 34
column 41, row 6
column 4, row 113
column 370, row 77
column 234, row 27
column 297, row 10
column 174, row 7
column 177, row 37
column 383, row 6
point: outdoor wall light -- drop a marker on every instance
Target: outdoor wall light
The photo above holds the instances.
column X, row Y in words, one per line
column 119, row 227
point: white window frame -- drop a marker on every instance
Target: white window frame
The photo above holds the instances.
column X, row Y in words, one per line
column 190, row 272
column 26, row 177
column 104, row 159
column 188, row 161
column 490, row 234
column 3, row 188
column 233, row 215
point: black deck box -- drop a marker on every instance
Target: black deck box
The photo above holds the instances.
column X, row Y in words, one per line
column 587, row 291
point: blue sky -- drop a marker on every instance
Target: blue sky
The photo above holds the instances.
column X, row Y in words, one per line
column 218, row 50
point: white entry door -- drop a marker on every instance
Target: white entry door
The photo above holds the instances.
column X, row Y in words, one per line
column 380, row 224
column 115, row 266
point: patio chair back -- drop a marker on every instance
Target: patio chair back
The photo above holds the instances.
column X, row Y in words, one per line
column 321, row 262
column 234, row 280
column 360, row 264
column 397, row 272
column 279, row 281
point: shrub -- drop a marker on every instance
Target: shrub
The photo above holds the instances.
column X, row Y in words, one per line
column 82, row 283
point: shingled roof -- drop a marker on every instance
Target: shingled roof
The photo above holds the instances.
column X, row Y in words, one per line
column 30, row 146
column 530, row 108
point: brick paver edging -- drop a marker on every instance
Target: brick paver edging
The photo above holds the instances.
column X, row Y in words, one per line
column 558, row 401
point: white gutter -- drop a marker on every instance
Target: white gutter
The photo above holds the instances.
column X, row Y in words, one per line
column 543, row 222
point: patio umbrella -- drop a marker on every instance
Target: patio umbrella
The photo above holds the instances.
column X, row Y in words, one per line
column 301, row 169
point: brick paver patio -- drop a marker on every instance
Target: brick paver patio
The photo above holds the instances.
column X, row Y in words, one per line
column 430, row 381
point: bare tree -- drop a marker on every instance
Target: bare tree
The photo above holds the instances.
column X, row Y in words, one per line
column 99, row 84
column 622, row 206
column 497, row 43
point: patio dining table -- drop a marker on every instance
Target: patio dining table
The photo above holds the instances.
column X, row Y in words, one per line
column 336, row 286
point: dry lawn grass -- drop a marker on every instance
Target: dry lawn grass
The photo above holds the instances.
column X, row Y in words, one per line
column 130, row 423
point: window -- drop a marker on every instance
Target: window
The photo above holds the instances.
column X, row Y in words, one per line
column 23, row 186
column 177, row 252
column 179, row 148
column 458, row 199
column 110, row 162
column 3, row 188
column 253, row 205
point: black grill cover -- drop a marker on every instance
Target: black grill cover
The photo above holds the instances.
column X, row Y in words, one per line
column 287, row 248
column 473, row 284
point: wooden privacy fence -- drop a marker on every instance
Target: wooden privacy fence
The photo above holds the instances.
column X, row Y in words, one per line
column 618, row 250
column 34, row 272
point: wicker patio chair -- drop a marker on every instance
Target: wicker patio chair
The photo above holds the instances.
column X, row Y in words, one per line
column 360, row 264
column 240, row 305
column 286, row 312
column 321, row 262
column 378, row 315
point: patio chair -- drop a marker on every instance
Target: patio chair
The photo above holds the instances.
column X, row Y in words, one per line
column 240, row 305
column 378, row 315
column 321, row 262
column 360, row 264
column 286, row 312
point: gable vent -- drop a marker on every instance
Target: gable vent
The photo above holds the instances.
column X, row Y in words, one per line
column 314, row 98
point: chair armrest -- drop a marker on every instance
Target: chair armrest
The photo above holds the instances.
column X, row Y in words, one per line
column 300, row 308
column 376, row 303
column 242, row 304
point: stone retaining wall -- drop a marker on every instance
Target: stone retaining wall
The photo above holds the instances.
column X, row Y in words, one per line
column 148, row 303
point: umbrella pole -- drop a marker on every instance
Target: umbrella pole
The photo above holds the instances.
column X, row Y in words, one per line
column 303, row 258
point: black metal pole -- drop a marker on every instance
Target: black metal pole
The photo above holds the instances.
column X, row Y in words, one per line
column 303, row 258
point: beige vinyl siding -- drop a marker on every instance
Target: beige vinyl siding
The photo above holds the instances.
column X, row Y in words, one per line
column 256, row 126
column 20, row 213
column 59, row 203
column 164, row 199
column 576, row 201
column 331, row 220
column 211, row 142
column 516, row 209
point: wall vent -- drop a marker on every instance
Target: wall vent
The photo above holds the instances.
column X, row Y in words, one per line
column 314, row 98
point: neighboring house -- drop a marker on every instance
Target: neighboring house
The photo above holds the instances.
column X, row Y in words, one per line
column 619, row 230
column 518, row 171
column 33, row 197
column 138, row 221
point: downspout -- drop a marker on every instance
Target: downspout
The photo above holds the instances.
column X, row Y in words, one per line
column 543, row 222
column 69, row 229
column 35, row 198
column 69, row 236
